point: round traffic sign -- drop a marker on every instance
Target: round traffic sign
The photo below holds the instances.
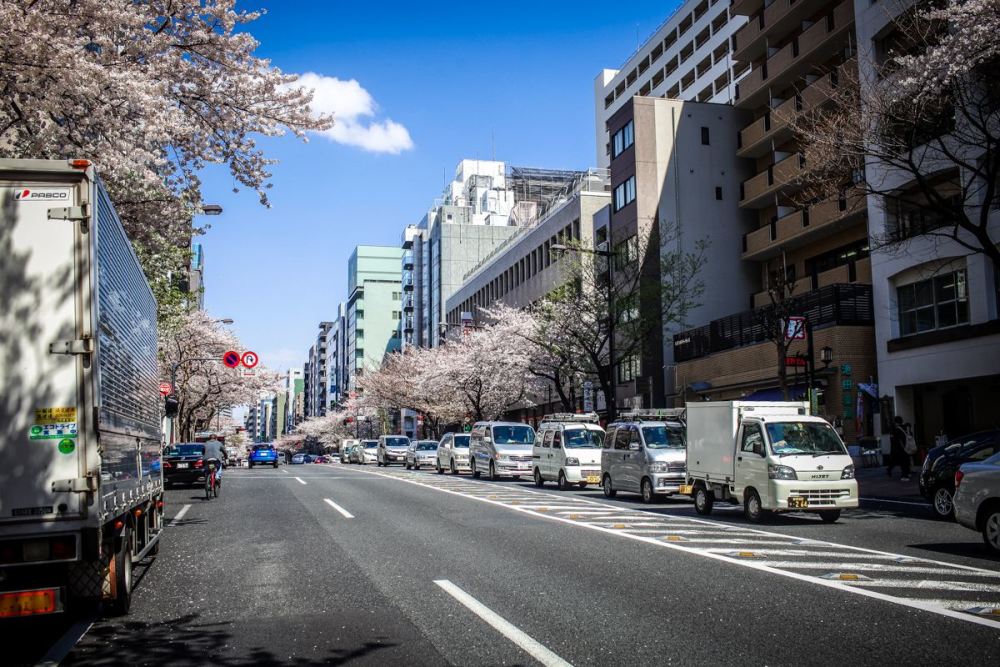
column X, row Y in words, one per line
column 231, row 359
column 165, row 388
column 250, row 359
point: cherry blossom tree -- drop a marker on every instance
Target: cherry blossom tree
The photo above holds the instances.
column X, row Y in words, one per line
column 918, row 129
column 192, row 357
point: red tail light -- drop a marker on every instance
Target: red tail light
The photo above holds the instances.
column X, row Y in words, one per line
column 958, row 478
column 199, row 463
column 166, row 464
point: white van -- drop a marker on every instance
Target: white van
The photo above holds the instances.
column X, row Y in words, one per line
column 453, row 453
column 567, row 450
column 501, row 449
column 644, row 453
column 769, row 457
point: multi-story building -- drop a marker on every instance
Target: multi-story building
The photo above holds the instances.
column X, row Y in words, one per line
column 675, row 181
column 686, row 58
column 292, row 390
column 937, row 322
column 483, row 206
column 315, row 373
column 335, row 358
column 373, row 310
column 811, row 256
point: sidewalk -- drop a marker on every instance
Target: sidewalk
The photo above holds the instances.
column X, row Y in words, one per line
column 874, row 483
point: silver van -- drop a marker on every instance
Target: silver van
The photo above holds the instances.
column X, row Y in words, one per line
column 645, row 453
column 391, row 449
column 501, row 449
column 453, row 453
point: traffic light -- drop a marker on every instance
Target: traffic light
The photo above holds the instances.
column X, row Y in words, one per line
column 170, row 405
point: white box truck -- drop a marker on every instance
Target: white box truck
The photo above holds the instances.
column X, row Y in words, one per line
column 769, row 457
column 81, row 489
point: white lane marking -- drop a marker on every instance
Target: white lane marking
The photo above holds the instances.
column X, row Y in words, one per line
column 179, row 516
column 300, row 480
column 797, row 552
column 347, row 515
column 284, row 471
column 928, row 606
column 866, row 567
column 930, row 584
column 504, row 627
column 58, row 651
column 895, row 502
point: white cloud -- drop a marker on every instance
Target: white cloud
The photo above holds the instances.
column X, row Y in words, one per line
column 353, row 109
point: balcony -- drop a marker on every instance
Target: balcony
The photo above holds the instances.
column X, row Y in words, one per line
column 756, row 191
column 772, row 24
column 408, row 325
column 408, row 261
column 408, row 285
column 849, row 305
column 860, row 271
column 804, row 226
column 817, row 43
column 408, row 303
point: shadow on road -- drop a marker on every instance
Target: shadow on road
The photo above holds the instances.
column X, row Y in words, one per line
column 186, row 641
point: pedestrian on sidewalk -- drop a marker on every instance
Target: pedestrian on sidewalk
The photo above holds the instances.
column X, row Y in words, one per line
column 897, row 450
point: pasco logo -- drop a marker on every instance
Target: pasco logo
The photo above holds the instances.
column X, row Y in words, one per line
column 41, row 195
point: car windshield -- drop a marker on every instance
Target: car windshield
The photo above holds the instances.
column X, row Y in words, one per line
column 816, row 438
column 663, row 437
column 581, row 438
column 397, row 442
column 371, row 445
column 185, row 450
column 461, row 442
column 513, row 435
column 427, row 446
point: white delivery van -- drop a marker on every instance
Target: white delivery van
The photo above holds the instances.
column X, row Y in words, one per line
column 769, row 457
column 501, row 449
column 567, row 450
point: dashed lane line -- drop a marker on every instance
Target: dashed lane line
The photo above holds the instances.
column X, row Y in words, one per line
column 527, row 644
column 300, row 480
column 179, row 516
column 345, row 513
column 957, row 609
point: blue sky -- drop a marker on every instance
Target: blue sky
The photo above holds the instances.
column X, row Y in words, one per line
column 453, row 75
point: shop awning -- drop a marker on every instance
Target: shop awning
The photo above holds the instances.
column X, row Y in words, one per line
column 775, row 393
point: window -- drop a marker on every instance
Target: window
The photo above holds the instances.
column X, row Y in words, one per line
column 935, row 303
column 626, row 252
column 397, row 315
column 600, row 235
column 547, row 440
column 704, row 137
column 621, row 438
column 718, row 193
column 622, row 139
column 753, row 440
column 624, row 194
column 629, row 369
column 556, row 440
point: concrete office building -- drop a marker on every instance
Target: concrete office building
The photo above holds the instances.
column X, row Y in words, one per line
column 675, row 182
column 373, row 309
column 686, row 58
column 292, row 389
column 937, row 325
column 336, row 354
column 315, row 371
column 797, row 50
column 523, row 270
column 480, row 208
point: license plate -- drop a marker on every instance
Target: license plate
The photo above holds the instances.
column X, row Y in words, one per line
column 26, row 603
column 685, row 489
column 593, row 479
column 798, row 502
column 182, row 465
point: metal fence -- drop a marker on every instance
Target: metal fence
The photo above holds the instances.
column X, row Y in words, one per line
column 834, row 304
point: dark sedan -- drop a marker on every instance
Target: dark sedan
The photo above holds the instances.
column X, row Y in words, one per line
column 937, row 477
column 184, row 463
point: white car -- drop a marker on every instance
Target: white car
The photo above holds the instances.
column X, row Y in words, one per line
column 501, row 449
column 453, row 453
column 977, row 499
column 421, row 453
column 567, row 450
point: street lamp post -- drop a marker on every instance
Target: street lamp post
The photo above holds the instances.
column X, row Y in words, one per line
column 612, row 381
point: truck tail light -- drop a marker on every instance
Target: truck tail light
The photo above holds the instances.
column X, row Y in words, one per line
column 79, row 164
column 30, row 603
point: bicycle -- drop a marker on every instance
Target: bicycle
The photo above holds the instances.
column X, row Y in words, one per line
column 212, row 482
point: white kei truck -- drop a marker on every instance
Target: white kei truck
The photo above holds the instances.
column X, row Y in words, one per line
column 81, row 488
column 769, row 457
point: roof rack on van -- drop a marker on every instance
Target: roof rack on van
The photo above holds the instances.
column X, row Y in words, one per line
column 650, row 415
column 586, row 417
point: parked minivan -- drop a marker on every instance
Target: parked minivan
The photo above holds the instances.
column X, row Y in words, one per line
column 453, row 453
column 567, row 450
column 501, row 449
column 392, row 448
column 645, row 452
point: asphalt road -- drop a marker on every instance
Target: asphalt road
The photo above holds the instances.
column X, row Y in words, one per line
column 314, row 564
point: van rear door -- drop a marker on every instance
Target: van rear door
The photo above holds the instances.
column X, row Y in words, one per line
column 41, row 403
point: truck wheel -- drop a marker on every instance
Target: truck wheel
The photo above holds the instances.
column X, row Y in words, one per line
column 475, row 470
column 121, row 576
column 539, row 482
column 493, row 472
column 703, row 501
column 829, row 516
column 609, row 490
column 752, row 508
column 563, row 484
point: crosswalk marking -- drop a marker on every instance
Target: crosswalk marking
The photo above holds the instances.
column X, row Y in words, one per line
column 886, row 576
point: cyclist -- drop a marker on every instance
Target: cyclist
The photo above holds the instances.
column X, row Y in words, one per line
column 214, row 451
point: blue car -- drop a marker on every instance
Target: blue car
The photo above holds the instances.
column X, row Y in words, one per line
column 264, row 455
